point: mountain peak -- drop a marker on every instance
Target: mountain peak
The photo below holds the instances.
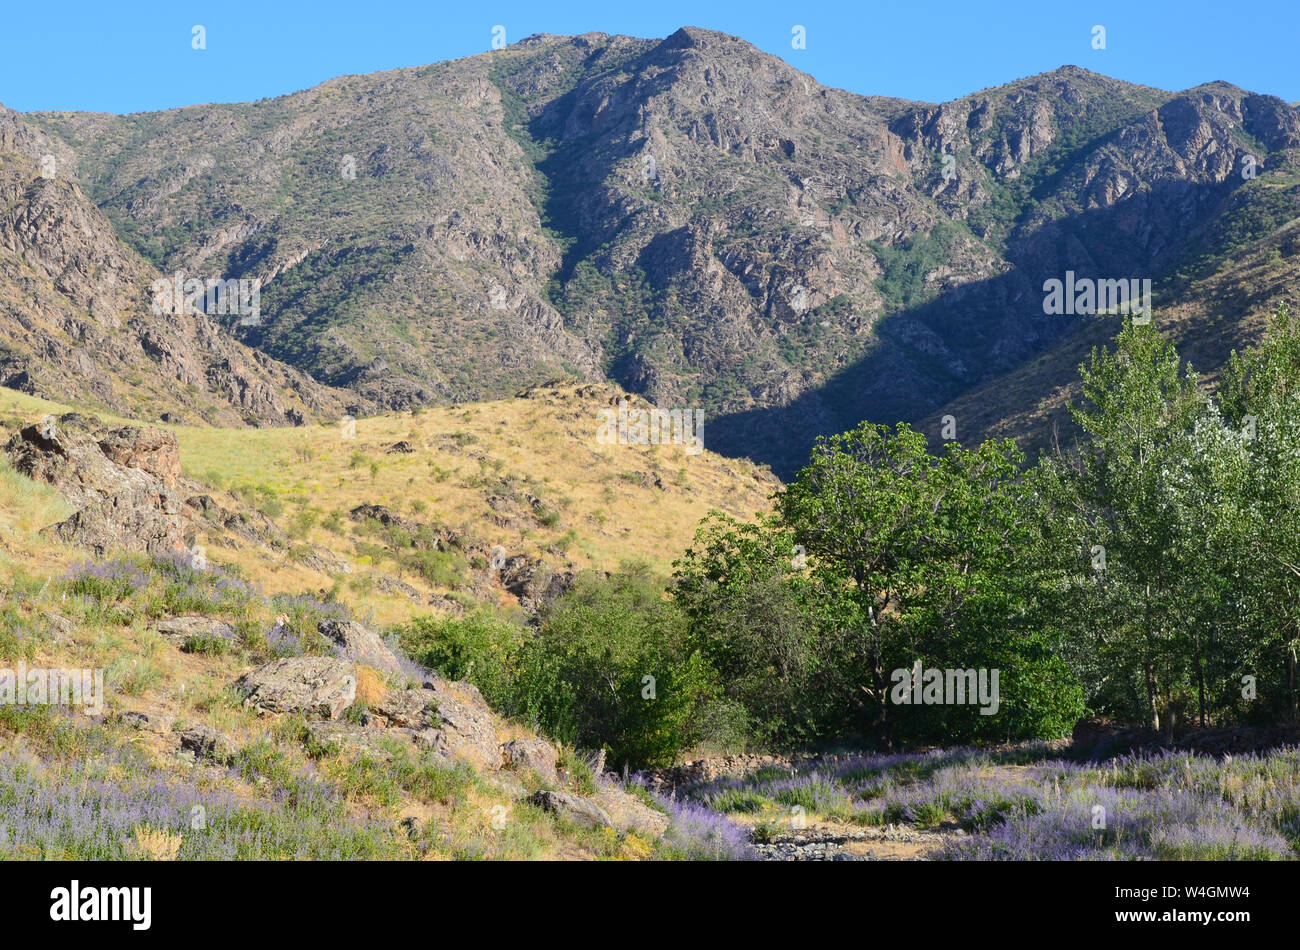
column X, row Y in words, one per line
column 694, row 37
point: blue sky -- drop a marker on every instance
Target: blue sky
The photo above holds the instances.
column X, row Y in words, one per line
column 124, row 56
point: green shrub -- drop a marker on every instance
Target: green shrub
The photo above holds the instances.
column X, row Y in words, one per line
column 482, row 647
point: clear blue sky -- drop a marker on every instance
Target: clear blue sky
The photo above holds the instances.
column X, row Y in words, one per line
column 125, row 56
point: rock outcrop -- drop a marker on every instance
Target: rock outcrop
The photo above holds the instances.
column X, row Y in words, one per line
column 313, row 686
column 122, row 481
column 574, row 808
column 359, row 645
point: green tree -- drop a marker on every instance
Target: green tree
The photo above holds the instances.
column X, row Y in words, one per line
column 1134, row 524
column 773, row 633
column 609, row 667
column 927, row 549
column 1261, row 400
column 482, row 647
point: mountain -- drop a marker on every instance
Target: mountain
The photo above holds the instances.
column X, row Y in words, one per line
column 76, row 319
column 703, row 224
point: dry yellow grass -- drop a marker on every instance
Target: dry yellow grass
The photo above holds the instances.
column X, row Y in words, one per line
column 371, row 687
column 599, row 503
column 597, row 506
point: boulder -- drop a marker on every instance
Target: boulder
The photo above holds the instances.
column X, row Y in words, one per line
column 359, row 645
column 179, row 629
column 207, row 743
column 535, row 754
column 316, row 686
column 573, row 807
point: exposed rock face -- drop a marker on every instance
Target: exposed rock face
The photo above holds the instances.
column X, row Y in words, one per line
column 392, row 585
column 252, row 527
column 150, row 450
column 76, row 312
column 407, row 708
column 533, row 582
column 123, row 481
column 422, row 536
column 315, row 686
column 465, row 724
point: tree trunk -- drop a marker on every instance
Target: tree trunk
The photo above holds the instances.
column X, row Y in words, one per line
column 1153, row 715
column 1290, row 679
column 1200, row 681
column 882, row 703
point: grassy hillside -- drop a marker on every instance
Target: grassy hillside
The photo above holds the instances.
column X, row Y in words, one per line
column 560, row 497
column 179, row 766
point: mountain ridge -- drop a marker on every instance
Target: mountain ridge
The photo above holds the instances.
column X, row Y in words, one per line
column 690, row 218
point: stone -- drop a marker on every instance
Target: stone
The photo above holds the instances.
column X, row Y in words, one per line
column 179, row 629
column 60, row 627
column 359, row 645
column 207, row 743
column 316, row 686
column 156, row 722
column 535, row 754
column 573, row 807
